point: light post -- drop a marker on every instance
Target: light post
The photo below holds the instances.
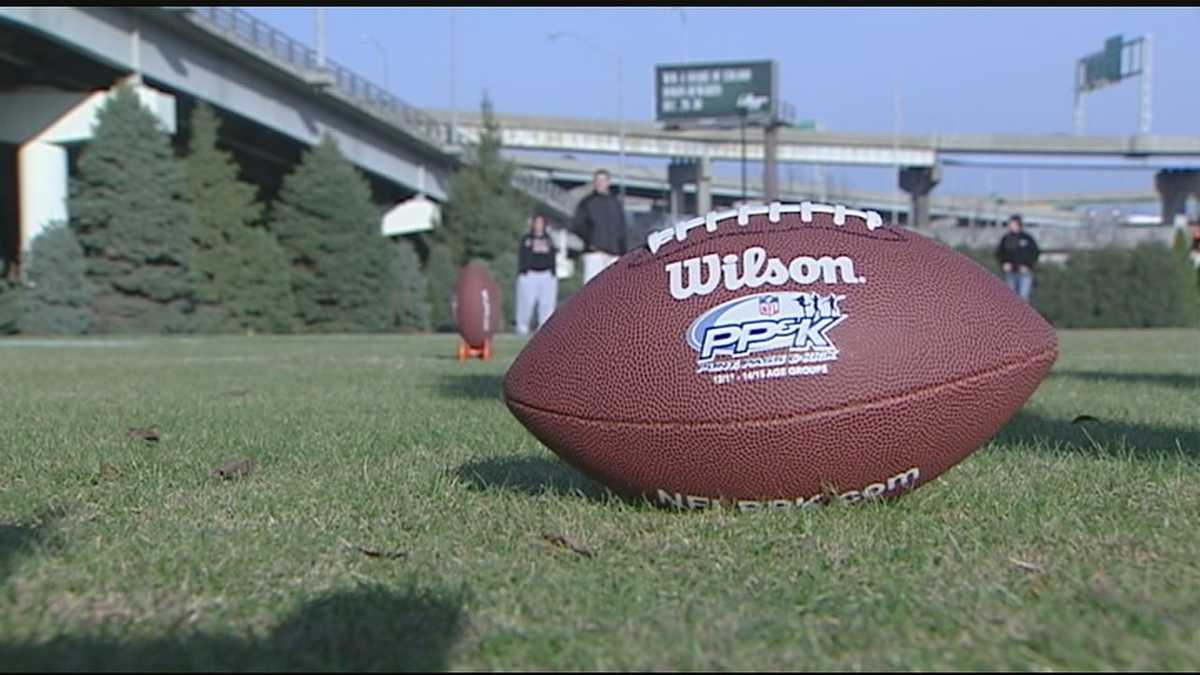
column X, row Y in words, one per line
column 383, row 57
column 620, row 101
column 742, row 126
column 319, row 18
column 683, row 18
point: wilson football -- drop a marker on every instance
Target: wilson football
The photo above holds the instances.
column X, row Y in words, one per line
column 477, row 309
column 779, row 356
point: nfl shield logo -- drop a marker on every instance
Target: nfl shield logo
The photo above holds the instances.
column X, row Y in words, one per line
column 768, row 305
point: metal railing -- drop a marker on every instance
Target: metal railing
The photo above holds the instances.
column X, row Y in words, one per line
column 248, row 32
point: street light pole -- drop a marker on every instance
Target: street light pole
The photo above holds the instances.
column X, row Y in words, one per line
column 620, row 101
column 621, row 127
column 742, row 126
column 453, row 77
column 319, row 16
column 683, row 18
column 383, row 56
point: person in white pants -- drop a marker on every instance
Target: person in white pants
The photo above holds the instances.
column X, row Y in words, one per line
column 600, row 223
column 537, row 285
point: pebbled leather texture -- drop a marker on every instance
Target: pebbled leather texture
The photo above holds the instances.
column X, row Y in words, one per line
column 934, row 355
column 478, row 311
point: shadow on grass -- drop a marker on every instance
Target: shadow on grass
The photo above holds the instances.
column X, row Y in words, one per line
column 473, row 386
column 531, row 475
column 20, row 540
column 1106, row 437
column 369, row 628
column 1178, row 380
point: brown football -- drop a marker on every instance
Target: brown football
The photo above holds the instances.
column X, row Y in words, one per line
column 779, row 356
column 477, row 309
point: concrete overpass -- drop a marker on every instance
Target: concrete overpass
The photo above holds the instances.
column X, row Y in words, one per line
column 919, row 158
column 261, row 79
column 651, row 185
column 1060, row 231
column 564, row 134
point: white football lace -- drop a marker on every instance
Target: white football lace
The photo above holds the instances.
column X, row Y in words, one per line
column 773, row 211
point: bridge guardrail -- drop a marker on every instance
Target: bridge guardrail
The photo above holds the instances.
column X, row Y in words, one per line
column 249, row 32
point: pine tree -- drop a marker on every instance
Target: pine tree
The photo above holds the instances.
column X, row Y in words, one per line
column 58, row 296
column 329, row 228
column 504, row 272
column 129, row 212
column 245, row 273
column 441, row 274
column 484, row 216
column 263, row 301
column 10, row 308
column 410, row 288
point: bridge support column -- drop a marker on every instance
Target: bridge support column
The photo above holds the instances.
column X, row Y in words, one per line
column 690, row 171
column 918, row 181
column 680, row 173
column 1174, row 186
column 771, row 162
column 41, row 124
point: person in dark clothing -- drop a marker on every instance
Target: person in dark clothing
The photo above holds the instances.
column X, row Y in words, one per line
column 1018, row 254
column 537, row 285
column 600, row 223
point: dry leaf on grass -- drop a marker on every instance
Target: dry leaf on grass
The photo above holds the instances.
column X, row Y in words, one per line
column 560, row 540
column 233, row 469
column 145, row 433
column 1027, row 566
column 375, row 553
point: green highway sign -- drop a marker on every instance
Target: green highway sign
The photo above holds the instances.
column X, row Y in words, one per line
column 1103, row 67
column 716, row 92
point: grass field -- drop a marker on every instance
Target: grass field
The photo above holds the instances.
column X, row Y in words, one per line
column 398, row 517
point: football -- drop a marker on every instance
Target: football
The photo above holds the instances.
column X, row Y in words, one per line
column 477, row 310
column 779, row 356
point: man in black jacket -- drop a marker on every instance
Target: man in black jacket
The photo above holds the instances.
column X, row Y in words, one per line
column 600, row 223
column 537, row 285
column 1018, row 253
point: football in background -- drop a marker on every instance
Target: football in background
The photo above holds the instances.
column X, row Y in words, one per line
column 478, row 312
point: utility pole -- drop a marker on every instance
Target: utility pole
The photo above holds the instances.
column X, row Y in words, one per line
column 683, row 18
column 896, row 151
column 383, row 58
column 620, row 100
column 453, row 77
column 1145, row 107
column 320, row 28
column 770, row 161
column 742, row 126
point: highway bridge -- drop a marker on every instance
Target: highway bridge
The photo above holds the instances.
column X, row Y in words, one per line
column 918, row 158
column 277, row 96
column 649, row 188
column 274, row 94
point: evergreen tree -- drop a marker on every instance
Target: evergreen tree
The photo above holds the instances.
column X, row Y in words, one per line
column 329, row 228
column 58, row 296
column 245, row 282
column 263, row 301
column 10, row 308
column 410, row 290
column 441, row 274
column 504, row 271
column 484, row 216
column 570, row 286
column 130, row 215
